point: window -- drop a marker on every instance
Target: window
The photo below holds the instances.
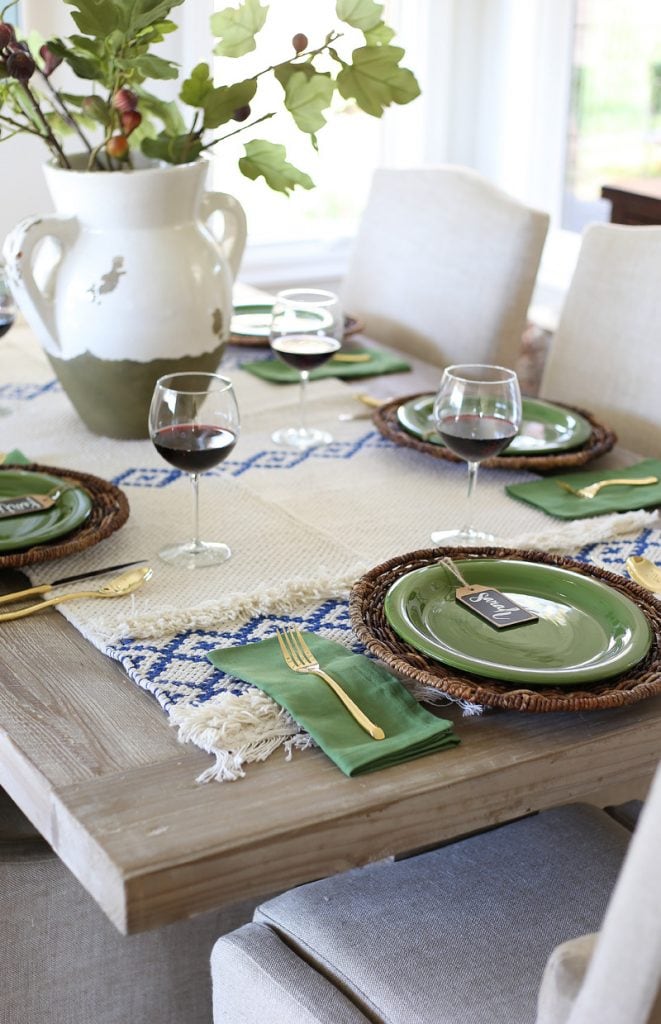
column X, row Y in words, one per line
column 615, row 119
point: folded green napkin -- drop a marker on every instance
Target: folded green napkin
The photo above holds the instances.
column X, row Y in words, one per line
column 410, row 730
column 546, row 494
column 15, row 458
column 379, row 362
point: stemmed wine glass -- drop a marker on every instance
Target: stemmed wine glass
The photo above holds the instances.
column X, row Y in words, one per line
column 306, row 329
column 477, row 412
column 194, row 425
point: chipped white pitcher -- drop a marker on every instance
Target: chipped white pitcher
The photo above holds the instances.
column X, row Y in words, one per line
column 138, row 283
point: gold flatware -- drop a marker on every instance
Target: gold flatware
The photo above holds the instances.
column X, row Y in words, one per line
column 345, row 417
column 644, row 572
column 351, row 357
column 299, row 658
column 45, row 588
column 371, row 400
column 119, row 587
column 593, row 489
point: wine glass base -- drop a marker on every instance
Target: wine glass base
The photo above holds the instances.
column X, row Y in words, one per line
column 195, row 556
column 462, row 538
column 301, row 437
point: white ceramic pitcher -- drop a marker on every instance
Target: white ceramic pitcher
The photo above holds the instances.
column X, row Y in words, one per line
column 138, row 283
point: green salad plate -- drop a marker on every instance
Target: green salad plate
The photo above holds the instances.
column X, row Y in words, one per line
column 24, row 531
column 586, row 631
column 545, row 428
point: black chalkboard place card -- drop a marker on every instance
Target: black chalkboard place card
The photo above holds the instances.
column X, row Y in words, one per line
column 494, row 607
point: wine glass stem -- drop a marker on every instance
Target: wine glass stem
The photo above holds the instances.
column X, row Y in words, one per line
column 472, row 482
column 195, row 481
column 302, row 418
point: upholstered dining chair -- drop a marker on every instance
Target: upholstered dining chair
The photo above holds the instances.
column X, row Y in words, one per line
column 606, row 352
column 63, row 962
column 444, row 265
column 480, row 931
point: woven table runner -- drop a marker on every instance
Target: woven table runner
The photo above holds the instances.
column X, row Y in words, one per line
column 302, row 526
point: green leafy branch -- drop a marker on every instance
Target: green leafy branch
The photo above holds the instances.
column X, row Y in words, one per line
column 112, row 55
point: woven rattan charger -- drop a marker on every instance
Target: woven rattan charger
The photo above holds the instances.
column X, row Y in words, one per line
column 601, row 440
column 110, row 510
column 372, row 628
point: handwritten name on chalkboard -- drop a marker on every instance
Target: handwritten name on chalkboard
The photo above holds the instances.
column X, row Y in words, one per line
column 25, row 504
column 495, row 608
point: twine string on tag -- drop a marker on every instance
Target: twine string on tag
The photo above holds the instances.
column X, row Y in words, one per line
column 449, row 564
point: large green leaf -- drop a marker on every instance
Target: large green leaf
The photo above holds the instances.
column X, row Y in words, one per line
column 181, row 149
column 167, row 112
column 196, row 87
column 221, row 103
column 96, row 17
column 305, row 98
column 148, row 65
column 269, row 160
column 236, row 28
column 362, row 14
column 284, row 71
column 380, row 35
column 375, row 79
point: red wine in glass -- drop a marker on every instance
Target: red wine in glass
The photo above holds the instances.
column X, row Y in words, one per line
column 194, row 447
column 305, row 351
column 477, row 413
column 194, row 425
column 476, row 438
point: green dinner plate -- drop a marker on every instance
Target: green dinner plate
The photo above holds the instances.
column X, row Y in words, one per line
column 252, row 321
column 545, row 428
column 70, row 510
column 586, row 631
column 255, row 321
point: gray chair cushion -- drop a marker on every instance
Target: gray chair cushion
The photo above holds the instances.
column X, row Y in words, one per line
column 460, row 934
column 273, row 984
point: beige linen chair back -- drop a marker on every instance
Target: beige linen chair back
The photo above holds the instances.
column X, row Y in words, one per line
column 606, row 353
column 622, row 964
column 444, row 265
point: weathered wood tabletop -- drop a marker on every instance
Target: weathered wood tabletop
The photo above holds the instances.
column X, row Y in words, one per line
column 89, row 757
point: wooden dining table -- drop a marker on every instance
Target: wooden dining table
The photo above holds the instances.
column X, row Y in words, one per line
column 89, row 758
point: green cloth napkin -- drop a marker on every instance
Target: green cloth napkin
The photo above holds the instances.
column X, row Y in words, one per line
column 379, row 362
column 15, row 458
column 410, row 730
column 555, row 501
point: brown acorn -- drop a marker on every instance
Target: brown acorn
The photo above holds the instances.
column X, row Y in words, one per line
column 241, row 113
column 300, row 42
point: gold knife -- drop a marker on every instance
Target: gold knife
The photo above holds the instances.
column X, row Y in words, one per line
column 45, row 588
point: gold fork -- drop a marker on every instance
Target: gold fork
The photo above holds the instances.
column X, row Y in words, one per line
column 299, row 658
column 593, row 489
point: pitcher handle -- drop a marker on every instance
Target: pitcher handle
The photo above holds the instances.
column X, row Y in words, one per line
column 37, row 306
column 233, row 239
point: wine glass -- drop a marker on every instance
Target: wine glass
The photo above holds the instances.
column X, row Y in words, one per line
column 194, row 425
column 477, row 412
column 306, row 329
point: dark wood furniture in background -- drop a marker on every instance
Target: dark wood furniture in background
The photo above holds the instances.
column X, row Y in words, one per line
column 634, row 201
